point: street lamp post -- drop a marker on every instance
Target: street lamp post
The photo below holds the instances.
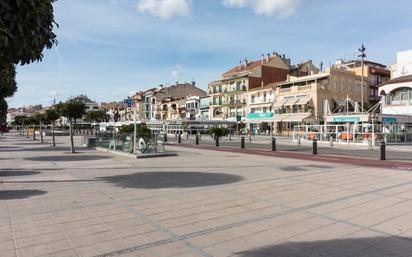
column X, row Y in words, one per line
column 135, row 130
column 362, row 55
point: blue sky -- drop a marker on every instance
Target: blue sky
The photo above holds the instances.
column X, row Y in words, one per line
column 110, row 48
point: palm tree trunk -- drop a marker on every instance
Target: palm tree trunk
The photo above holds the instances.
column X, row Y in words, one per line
column 71, row 137
column 41, row 133
column 34, row 132
column 53, row 140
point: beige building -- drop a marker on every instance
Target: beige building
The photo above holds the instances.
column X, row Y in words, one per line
column 228, row 95
column 260, row 107
column 308, row 99
column 374, row 73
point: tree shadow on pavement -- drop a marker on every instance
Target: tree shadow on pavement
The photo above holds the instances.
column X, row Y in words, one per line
column 355, row 247
column 19, row 194
column 16, row 172
column 67, row 158
column 36, row 149
column 156, row 180
column 309, row 167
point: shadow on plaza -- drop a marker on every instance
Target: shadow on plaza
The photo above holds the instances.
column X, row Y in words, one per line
column 17, row 172
column 156, row 180
column 355, row 247
column 309, row 167
column 69, row 157
column 45, row 148
column 19, row 194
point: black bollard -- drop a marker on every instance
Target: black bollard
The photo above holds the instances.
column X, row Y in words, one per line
column 315, row 146
column 217, row 141
column 197, row 139
column 242, row 142
column 165, row 137
column 273, row 144
column 179, row 138
column 383, row 150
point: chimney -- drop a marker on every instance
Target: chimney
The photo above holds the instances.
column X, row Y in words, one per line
column 193, row 83
column 288, row 77
column 321, row 66
column 263, row 59
column 267, row 57
column 246, row 62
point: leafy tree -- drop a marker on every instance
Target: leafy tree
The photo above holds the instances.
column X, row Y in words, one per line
column 72, row 110
column 31, row 121
column 19, row 121
column 218, row 132
column 3, row 111
column 26, row 28
column 7, row 88
column 41, row 120
column 140, row 129
column 96, row 116
column 51, row 116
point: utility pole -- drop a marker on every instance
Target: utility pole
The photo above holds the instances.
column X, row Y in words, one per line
column 134, row 129
column 362, row 56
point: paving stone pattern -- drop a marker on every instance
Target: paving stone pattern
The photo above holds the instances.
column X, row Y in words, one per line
column 200, row 203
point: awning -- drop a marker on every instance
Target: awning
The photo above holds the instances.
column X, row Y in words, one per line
column 282, row 102
column 280, row 117
column 291, row 117
column 303, row 100
column 258, row 121
column 298, row 117
column 291, row 101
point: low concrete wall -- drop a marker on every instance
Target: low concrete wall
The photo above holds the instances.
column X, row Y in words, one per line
column 138, row 156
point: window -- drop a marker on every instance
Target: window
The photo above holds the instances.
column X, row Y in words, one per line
column 264, row 97
column 252, row 100
column 265, row 109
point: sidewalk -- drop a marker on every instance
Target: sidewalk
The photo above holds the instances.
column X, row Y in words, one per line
column 200, row 203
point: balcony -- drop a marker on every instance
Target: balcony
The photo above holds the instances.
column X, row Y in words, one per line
column 374, row 98
column 285, row 90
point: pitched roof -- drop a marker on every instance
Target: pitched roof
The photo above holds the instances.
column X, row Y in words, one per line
column 403, row 79
column 243, row 67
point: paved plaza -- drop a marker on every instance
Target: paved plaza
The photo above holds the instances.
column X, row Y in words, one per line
column 199, row 203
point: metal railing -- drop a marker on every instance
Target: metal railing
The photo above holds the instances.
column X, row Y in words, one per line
column 123, row 142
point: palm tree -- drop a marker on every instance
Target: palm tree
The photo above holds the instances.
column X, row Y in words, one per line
column 72, row 110
column 51, row 116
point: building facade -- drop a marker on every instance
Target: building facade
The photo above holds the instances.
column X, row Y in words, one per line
column 204, row 108
column 397, row 93
column 374, row 74
column 308, row 99
column 229, row 94
column 260, row 109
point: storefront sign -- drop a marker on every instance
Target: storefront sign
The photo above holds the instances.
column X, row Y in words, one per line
column 263, row 115
column 389, row 120
column 346, row 119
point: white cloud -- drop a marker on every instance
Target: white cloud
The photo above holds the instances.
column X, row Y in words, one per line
column 177, row 72
column 282, row 8
column 165, row 9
